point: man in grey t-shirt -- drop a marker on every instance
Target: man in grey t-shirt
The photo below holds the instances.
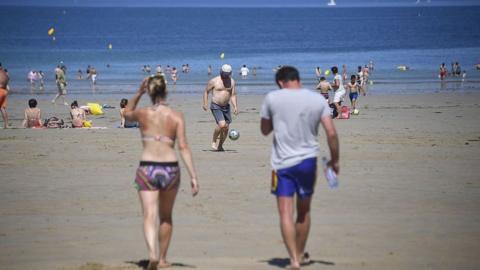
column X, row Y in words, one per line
column 294, row 114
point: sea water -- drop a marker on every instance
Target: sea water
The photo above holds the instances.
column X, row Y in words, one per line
column 418, row 37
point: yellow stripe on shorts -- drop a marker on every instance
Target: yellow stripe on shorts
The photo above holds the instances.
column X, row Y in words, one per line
column 274, row 181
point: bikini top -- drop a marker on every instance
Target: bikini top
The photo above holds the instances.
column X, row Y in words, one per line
column 158, row 138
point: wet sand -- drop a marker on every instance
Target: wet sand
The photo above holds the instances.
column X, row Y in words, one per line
column 409, row 194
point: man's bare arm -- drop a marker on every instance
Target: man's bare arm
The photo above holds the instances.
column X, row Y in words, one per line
column 266, row 126
column 208, row 88
column 333, row 144
column 234, row 99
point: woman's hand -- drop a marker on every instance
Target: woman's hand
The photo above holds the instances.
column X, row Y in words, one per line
column 143, row 86
column 195, row 187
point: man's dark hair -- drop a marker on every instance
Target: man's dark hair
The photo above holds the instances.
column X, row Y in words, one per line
column 286, row 74
column 334, row 70
column 322, row 78
column 32, row 103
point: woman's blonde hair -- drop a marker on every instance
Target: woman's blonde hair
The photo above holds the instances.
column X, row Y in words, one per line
column 157, row 87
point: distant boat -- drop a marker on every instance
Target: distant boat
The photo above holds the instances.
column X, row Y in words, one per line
column 332, row 3
column 419, row 2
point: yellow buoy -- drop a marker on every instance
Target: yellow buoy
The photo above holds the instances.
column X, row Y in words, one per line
column 222, row 55
column 110, row 46
column 51, row 31
column 327, row 72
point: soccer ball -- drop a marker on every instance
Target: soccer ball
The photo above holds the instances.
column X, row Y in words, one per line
column 356, row 112
column 234, row 134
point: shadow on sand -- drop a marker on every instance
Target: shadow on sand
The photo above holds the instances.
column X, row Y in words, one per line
column 283, row 262
column 144, row 263
column 225, row 151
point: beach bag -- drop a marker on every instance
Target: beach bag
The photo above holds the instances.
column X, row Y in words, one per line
column 345, row 114
column 95, row 108
column 54, row 122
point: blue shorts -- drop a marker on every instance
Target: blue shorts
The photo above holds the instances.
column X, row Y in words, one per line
column 353, row 96
column 298, row 179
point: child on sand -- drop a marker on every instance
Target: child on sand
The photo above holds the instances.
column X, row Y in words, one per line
column 33, row 117
column 324, row 86
column 354, row 88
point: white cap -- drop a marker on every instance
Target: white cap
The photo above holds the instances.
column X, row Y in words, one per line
column 227, row 68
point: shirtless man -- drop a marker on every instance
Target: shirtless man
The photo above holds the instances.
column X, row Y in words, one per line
column 223, row 91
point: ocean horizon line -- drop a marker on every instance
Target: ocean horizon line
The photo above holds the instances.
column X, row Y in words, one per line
column 437, row 5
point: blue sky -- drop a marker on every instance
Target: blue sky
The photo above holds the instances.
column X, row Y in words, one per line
column 229, row 3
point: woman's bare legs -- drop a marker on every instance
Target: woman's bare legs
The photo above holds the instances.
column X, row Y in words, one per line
column 149, row 200
column 167, row 200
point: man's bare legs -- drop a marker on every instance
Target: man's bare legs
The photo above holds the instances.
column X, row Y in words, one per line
column 167, row 200
column 285, row 210
column 5, row 117
column 220, row 133
column 216, row 134
column 302, row 225
column 57, row 96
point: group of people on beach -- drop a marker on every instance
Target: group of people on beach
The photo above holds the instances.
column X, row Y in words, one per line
column 291, row 113
column 355, row 86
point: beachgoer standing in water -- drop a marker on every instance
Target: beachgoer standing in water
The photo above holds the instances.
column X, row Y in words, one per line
column 61, row 81
column 223, row 91
column 293, row 114
column 209, row 70
column 3, row 96
column 443, row 71
column 318, row 73
column 344, row 72
column 158, row 176
column 173, row 75
column 244, row 71
column 93, row 76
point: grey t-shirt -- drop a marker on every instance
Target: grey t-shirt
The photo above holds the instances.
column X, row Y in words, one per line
column 296, row 115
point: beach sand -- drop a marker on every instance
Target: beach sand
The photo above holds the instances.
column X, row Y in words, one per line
column 409, row 195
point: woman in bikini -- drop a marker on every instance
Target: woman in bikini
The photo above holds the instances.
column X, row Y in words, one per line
column 77, row 114
column 33, row 117
column 158, row 176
